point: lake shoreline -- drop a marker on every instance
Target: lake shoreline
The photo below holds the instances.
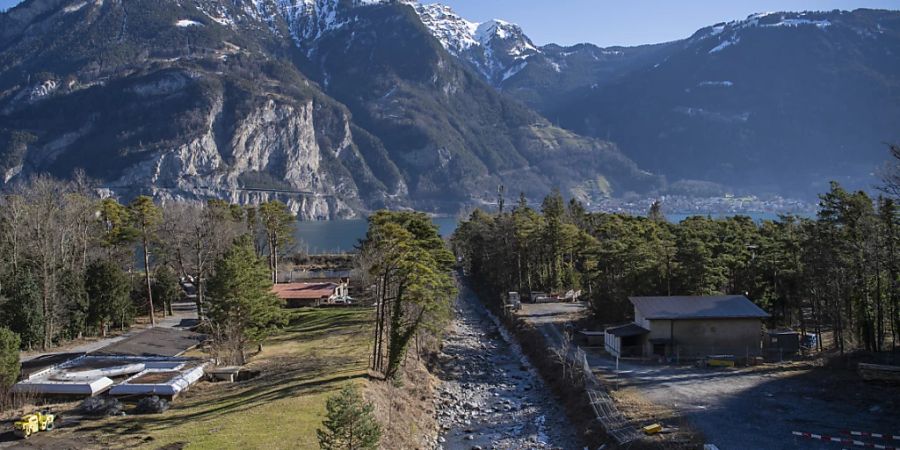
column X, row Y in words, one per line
column 342, row 236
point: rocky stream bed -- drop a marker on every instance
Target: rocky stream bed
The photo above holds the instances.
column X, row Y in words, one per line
column 490, row 397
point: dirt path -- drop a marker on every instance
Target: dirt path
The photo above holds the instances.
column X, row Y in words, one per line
column 490, row 398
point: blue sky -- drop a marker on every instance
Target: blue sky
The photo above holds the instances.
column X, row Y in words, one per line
column 632, row 22
column 625, row 22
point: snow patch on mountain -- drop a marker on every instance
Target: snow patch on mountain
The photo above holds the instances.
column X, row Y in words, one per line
column 725, row 44
column 74, row 7
column 512, row 71
column 217, row 13
column 799, row 22
column 729, row 32
column 716, row 83
column 184, row 23
column 309, row 20
column 496, row 48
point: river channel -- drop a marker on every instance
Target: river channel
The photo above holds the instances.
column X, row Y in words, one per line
column 490, row 397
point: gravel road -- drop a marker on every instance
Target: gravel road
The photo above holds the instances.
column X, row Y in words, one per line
column 758, row 408
column 752, row 408
column 489, row 397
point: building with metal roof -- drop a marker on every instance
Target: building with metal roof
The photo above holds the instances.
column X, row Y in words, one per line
column 690, row 327
column 296, row 295
column 697, row 307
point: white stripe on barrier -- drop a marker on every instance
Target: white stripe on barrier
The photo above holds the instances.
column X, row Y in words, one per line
column 895, row 437
column 821, row 437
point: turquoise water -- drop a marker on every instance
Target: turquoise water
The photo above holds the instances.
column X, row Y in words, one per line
column 337, row 236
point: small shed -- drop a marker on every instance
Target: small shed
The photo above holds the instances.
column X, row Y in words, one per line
column 781, row 344
column 592, row 338
column 625, row 340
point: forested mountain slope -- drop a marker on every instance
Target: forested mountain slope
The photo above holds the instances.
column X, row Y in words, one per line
column 335, row 106
column 776, row 103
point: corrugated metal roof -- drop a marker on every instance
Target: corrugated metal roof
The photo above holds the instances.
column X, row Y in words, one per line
column 631, row 329
column 304, row 291
column 707, row 307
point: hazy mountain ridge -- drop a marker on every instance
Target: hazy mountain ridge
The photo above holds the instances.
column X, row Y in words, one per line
column 775, row 103
column 779, row 102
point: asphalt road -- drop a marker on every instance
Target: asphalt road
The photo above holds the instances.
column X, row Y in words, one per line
column 184, row 317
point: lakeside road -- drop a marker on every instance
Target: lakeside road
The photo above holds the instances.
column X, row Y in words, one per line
column 489, row 396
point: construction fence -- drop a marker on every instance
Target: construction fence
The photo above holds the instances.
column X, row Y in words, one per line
column 604, row 407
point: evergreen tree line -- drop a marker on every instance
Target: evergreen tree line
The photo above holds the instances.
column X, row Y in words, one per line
column 409, row 266
column 837, row 272
column 72, row 264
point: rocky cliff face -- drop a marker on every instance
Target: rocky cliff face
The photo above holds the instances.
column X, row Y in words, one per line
column 196, row 111
column 336, row 107
column 275, row 139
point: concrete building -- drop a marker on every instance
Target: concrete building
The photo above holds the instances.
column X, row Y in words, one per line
column 690, row 327
column 298, row 295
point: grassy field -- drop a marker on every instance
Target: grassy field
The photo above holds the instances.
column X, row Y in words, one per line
column 316, row 354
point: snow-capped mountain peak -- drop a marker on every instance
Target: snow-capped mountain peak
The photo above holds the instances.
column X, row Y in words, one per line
column 455, row 33
column 494, row 48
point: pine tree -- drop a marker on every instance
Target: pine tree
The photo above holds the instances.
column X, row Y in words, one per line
column 278, row 222
column 107, row 289
column 165, row 287
column 20, row 309
column 146, row 217
column 242, row 307
column 349, row 423
column 9, row 358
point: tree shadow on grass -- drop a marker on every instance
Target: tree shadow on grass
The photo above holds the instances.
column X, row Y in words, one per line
column 312, row 331
column 235, row 403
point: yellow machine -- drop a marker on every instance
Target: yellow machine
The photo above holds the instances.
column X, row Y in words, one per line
column 32, row 423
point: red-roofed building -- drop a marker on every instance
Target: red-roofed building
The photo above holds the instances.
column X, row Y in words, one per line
column 298, row 295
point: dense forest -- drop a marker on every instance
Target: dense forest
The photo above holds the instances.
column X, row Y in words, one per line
column 837, row 272
column 72, row 264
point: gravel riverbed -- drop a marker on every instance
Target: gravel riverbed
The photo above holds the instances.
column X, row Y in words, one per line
column 490, row 397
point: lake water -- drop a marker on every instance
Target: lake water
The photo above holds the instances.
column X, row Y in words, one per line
column 337, row 236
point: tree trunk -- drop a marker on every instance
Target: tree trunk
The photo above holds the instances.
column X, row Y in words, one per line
column 45, row 305
column 199, row 301
column 199, row 279
column 147, row 277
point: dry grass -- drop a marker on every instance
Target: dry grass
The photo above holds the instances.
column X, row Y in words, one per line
column 406, row 411
column 315, row 356
column 15, row 404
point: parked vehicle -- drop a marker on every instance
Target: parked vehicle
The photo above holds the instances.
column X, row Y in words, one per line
column 32, row 423
column 513, row 301
column 340, row 301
